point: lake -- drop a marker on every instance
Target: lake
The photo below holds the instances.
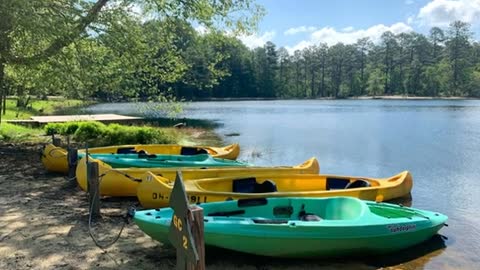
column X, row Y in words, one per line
column 438, row 141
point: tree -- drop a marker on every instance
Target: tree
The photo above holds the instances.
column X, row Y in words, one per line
column 389, row 47
column 362, row 46
column 337, row 58
column 458, row 47
column 284, row 70
column 323, row 59
column 376, row 82
column 437, row 37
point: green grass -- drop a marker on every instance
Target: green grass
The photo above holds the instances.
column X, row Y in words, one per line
column 99, row 134
column 41, row 107
column 16, row 133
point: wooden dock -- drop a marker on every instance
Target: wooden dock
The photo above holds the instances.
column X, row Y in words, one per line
column 104, row 118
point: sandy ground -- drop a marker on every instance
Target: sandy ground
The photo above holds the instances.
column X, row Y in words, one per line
column 44, row 225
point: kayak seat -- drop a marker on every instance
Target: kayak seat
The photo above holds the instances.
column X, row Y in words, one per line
column 304, row 216
column 358, row 183
column 126, row 150
column 190, row 151
column 143, row 154
column 336, row 183
column 266, row 186
column 244, row 185
column 250, row 185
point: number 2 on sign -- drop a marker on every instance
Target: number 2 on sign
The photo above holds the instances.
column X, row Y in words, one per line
column 185, row 242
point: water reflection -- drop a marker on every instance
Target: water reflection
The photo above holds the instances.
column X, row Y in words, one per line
column 405, row 200
column 416, row 257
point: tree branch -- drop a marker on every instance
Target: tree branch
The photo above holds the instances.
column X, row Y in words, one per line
column 60, row 43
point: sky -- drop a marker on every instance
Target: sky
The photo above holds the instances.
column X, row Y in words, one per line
column 296, row 24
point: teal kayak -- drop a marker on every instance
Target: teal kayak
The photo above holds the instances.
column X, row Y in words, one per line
column 164, row 161
column 304, row 227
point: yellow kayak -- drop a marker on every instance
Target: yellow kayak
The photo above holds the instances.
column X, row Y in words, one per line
column 55, row 158
column 154, row 191
column 124, row 181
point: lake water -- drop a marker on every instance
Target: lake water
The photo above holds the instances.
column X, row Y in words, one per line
column 438, row 141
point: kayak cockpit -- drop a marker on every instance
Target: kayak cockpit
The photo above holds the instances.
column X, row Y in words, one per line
column 284, row 210
column 282, row 183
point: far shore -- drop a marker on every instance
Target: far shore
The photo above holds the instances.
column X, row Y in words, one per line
column 397, row 97
column 393, row 97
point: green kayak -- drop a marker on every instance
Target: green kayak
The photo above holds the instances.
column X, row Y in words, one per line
column 304, row 227
column 164, row 161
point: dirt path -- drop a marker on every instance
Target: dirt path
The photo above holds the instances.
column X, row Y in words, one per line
column 44, row 222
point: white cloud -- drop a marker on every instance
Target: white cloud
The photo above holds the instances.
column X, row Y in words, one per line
column 299, row 46
column 410, row 19
column 301, row 29
column 331, row 36
column 443, row 12
column 201, row 29
column 253, row 41
column 348, row 29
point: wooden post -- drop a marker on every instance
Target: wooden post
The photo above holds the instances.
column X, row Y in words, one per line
column 93, row 189
column 72, row 158
column 186, row 229
column 56, row 141
column 196, row 226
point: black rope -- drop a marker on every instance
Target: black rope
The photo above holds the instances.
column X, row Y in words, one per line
column 126, row 219
column 122, row 173
column 70, row 179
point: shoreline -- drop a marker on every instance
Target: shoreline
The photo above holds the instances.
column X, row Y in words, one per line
column 393, row 97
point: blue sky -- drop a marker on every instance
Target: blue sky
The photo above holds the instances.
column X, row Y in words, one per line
column 296, row 24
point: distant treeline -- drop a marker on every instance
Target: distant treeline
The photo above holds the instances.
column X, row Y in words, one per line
column 444, row 63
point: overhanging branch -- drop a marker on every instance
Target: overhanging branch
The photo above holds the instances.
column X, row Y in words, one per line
column 62, row 42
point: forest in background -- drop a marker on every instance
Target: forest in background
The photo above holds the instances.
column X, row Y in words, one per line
column 444, row 63
column 112, row 51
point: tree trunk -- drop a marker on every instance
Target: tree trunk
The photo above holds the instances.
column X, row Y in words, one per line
column 5, row 93
column 322, row 88
column 297, row 79
column 305, row 83
column 313, row 83
column 362, row 75
column 2, row 89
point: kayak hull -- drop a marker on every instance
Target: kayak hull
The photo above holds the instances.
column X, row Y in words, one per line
column 333, row 247
column 332, row 236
